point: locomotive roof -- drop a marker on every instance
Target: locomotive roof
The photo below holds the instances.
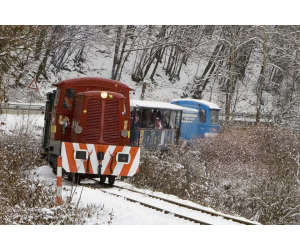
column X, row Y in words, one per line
column 91, row 80
column 153, row 104
column 98, row 92
column 211, row 105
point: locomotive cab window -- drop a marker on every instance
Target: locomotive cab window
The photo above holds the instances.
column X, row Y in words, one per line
column 68, row 98
column 202, row 115
column 214, row 114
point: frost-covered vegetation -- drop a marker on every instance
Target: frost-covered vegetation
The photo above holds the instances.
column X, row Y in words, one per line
column 25, row 199
column 245, row 171
column 242, row 68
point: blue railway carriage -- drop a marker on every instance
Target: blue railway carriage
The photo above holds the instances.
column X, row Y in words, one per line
column 199, row 119
column 154, row 125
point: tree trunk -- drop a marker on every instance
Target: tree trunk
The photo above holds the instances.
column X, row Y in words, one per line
column 261, row 81
column 117, row 46
column 40, row 41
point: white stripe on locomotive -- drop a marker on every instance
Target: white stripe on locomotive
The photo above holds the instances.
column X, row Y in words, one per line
column 79, row 163
column 107, row 156
column 135, row 164
column 120, row 165
column 65, row 163
column 93, row 157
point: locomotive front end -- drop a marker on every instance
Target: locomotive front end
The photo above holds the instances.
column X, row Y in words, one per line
column 99, row 133
column 89, row 127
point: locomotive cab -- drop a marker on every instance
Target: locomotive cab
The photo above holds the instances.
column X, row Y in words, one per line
column 200, row 118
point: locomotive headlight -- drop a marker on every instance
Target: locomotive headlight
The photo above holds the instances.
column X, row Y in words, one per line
column 124, row 158
column 104, row 94
column 124, row 133
column 78, row 129
column 80, row 155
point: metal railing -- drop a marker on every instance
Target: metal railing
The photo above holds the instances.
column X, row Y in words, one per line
column 247, row 118
column 18, row 107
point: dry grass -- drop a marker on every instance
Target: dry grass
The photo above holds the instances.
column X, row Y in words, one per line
column 245, row 171
column 26, row 200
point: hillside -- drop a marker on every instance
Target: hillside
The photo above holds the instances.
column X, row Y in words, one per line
column 98, row 63
column 241, row 68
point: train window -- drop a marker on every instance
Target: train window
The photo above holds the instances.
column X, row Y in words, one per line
column 137, row 120
column 178, row 117
column 214, row 114
column 144, row 118
column 159, row 119
column 173, row 119
column 68, row 98
column 202, row 115
column 152, row 118
column 166, row 119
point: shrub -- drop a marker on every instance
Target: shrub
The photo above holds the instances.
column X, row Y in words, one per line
column 244, row 171
column 26, row 200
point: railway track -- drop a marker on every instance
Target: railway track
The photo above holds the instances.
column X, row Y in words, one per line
column 195, row 214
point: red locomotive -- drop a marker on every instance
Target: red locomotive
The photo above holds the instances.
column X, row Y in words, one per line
column 87, row 123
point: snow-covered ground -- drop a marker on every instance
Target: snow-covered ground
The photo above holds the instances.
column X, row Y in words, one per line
column 135, row 227
column 162, row 231
column 125, row 212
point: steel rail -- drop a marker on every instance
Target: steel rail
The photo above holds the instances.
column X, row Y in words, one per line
column 194, row 208
column 212, row 213
column 147, row 205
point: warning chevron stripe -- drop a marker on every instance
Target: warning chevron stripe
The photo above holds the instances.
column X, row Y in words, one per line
column 110, row 166
column 133, row 152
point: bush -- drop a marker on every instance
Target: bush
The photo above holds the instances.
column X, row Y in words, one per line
column 245, row 171
column 26, row 200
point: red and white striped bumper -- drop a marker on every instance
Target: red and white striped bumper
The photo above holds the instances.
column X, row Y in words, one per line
column 110, row 164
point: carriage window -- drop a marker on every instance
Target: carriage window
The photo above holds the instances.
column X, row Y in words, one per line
column 152, row 117
column 137, row 120
column 172, row 119
column 214, row 114
column 202, row 115
column 166, row 119
column 68, row 98
column 178, row 117
column 144, row 118
column 159, row 119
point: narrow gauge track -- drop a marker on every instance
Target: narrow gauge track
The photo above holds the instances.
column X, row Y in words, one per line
column 185, row 209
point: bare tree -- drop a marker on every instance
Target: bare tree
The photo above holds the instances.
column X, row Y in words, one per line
column 120, row 53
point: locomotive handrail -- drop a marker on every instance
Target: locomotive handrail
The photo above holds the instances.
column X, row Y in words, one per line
column 23, row 106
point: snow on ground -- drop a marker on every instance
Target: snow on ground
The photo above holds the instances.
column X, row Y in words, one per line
column 125, row 212
column 22, row 121
column 136, row 227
